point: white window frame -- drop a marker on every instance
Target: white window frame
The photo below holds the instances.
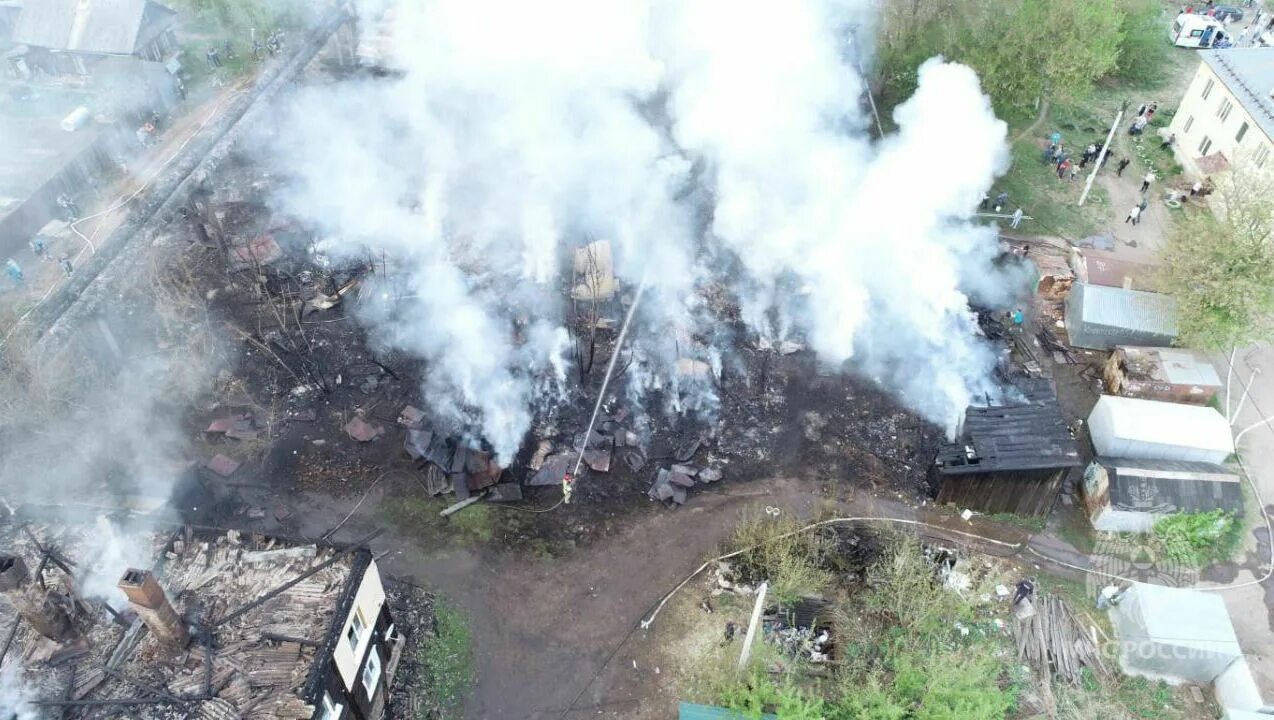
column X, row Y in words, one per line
column 1261, row 155
column 1188, row 125
column 371, row 672
column 331, row 709
column 1223, row 112
column 1205, row 145
column 1238, row 136
column 357, row 630
column 1207, row 88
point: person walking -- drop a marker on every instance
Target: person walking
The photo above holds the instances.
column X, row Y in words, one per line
column 1017, row 218
column 64, row 262
column 1001, row 200
column 1196, row 187
column 39, row 248
column 986, row 200
column 1119, row 172
column 1145, row 182
column 1083, row 161
column 1075, row 171
column 1134, row 215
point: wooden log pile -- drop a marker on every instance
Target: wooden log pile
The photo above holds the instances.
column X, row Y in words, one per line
column 1054, row 641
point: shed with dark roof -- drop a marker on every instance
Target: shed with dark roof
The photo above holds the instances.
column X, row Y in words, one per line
column 1009, row 458
column 1130, row 494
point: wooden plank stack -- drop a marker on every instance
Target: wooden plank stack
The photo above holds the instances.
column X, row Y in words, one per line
column 1055, row 642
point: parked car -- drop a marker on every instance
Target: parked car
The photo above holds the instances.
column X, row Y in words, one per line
column 1227, row 13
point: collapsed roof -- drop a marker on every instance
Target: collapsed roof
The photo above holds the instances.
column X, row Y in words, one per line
column 262, row 618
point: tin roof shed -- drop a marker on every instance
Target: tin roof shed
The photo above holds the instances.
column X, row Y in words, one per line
column 1100, row 318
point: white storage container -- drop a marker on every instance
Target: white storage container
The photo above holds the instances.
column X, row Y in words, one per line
column 1132, row 428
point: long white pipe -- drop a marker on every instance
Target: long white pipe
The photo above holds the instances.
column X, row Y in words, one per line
column 610, row 369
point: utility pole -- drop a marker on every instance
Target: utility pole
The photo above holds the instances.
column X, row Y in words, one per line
column 1105, row 150
column 858, row 63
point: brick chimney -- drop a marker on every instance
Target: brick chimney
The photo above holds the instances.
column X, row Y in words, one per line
column 150, row 603
column 36, row 605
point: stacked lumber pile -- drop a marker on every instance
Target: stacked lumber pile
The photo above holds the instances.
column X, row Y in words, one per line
column 1054, row 641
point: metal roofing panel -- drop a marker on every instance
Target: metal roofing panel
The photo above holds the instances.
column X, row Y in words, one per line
column 94, row 26
column 1110, row 269
column 1249, row 74
column 1133, row 309
column 1184, row 367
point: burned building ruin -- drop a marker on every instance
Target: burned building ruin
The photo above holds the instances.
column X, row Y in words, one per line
column 223, row 625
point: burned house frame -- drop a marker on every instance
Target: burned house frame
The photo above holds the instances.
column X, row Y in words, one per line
column 242, row 626
column 351, row 674
column 1008, row 458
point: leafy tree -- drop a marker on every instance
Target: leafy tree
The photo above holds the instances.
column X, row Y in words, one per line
column 239, row 16
column 1220, row 265
column 1143, row 55
column 1022, row 49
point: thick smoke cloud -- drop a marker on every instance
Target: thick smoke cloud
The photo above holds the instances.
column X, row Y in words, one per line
column 709, row 141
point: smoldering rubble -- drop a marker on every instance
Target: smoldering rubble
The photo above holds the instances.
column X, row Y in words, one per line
column 740, row 160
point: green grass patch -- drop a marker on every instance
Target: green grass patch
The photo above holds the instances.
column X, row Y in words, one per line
column 446, row 659
column 1034, row 524
column 1122, row 698
column 1200, row 539
column 194, row 62
column 418, row 516
column 1051, row 203
column 902, row 656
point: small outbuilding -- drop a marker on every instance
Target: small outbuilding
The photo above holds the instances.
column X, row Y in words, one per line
column 1130, row 428
column 1167, row 374
column 1102, row 267
column 1100, row 317
column 1129, row 495
column 1008, row 458
column 1174, row 633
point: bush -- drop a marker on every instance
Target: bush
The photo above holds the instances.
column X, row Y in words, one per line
column 901, row 656
column 1199, row 538
column 795, row 565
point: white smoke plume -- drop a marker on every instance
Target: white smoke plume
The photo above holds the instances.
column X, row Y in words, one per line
column 15, row 701
column 706, row 140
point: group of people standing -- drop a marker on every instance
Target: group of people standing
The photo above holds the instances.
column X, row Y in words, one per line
column 273, row 45
column 1056, row 154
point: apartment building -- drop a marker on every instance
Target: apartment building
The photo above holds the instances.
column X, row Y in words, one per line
column 1227, row 112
